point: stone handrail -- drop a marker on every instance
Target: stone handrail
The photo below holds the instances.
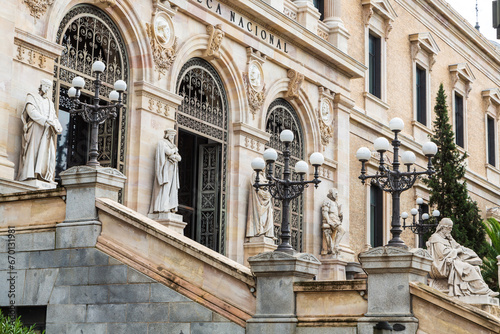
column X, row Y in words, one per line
column 199, row 273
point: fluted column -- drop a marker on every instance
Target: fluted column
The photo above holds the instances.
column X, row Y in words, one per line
column 338, row 34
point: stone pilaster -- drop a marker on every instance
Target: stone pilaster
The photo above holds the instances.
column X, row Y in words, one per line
column 390, row 271
column 84, row 184
column 276, row 273
column 338, row 34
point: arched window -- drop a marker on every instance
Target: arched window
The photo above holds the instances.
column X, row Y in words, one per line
column 202, row 124
column 281, row 116
column 88, row 34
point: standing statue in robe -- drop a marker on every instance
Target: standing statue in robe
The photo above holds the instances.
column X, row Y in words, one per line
column 332, row 223
column 456, row 264
column 166, row 181
column 260, row 213
column 40, row 130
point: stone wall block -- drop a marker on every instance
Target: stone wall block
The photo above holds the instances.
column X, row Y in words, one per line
column 8, row 286
column 147, row 312
column 73, row 276
column 62, row 314
column 128, row 328
column 107, row 313
column 88, row 257
column 136, row 277
column 20, row 260
column 214, row 327
column 129, row 293
column 170, row 328
column 72, row 235
column 49, row 259
column 39, row 286
column 88, row 294
column 189, row 312
column 162, row 294
column 108, row 274
column 60, row 294
column 87, row 328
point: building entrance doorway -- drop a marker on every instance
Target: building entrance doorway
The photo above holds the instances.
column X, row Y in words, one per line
column 200, row 191
column 203, row 140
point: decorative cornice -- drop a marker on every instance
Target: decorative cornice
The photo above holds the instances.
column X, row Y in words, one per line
column 383, row 9
column 492, row 97
column 462, row 72
column 423, row 42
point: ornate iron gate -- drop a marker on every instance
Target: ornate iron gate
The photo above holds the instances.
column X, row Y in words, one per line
column 87, row 35
column 204, row 112
column 281, row 116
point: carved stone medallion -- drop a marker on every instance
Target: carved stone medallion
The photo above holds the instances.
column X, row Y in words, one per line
column 163, row 42
column 325, row 108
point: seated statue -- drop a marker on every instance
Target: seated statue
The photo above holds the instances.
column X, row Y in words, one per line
column 455, row 265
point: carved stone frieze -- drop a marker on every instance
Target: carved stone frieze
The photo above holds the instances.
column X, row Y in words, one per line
column 326, row 172
column 157, row 106
column 294, row 84
column 38, row 7
column 290, row 13
column 216, row 35
column 323, row 34
column 253, row 144
column 32, row 56
column 163, row 42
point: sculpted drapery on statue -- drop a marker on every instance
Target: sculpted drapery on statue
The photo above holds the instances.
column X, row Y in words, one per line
column 332, row 223
column 458, row 264
column 166, row 181
column 40, row 130
column 260, row 213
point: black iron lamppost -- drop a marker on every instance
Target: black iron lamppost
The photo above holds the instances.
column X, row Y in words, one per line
column 395, row 181
column 96, row 114
column 422, row 224
column 285, row 189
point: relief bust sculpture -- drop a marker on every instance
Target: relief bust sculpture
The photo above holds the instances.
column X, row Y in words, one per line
column 166, row 181
column 40, row 130
column 457, row 265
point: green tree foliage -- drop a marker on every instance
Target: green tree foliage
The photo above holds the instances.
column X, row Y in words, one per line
column 7, row 326
column 448, row 188
column 490, row 264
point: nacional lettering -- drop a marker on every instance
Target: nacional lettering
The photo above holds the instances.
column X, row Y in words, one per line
column 245, row 24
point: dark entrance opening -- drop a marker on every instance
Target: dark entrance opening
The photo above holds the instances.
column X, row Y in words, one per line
column 200, row 192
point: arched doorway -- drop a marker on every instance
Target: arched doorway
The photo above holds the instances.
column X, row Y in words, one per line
column 88, row 34
column 202, row 120
column 281, row 116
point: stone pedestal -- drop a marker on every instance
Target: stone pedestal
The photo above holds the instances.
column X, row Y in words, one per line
column 276, row 273
column 40, row 184
column 169, row 219
column 332, row 268
column 84, row 184
column 390, row 270
column 257, row 245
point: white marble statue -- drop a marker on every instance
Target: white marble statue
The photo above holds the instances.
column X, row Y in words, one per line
column 260, row 213
column 40, row 130
column 332, row 223
column 166, row 181
column 457, row 264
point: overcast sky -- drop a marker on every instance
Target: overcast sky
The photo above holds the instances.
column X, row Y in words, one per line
column 467, row 8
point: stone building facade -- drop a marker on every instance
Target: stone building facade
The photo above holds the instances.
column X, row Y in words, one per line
column 229, row 76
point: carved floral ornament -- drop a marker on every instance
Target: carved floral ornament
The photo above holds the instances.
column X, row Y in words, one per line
column 325, row 114
column 38, row 7
column 254, row 81
column 294, row 84
column 383, row 9
column 215, row 37
column 163, row 42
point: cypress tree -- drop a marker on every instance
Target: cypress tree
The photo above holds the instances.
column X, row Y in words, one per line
column 448, row 187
